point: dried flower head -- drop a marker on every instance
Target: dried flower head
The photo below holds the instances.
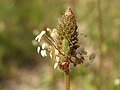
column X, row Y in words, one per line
column 63, row 44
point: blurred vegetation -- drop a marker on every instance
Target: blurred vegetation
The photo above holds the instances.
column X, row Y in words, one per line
column 20, row 65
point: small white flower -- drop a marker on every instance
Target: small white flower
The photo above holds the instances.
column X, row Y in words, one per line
column 38, row 38
column 43, row 53
column 56, row 52
column 43, row 45
column 55, row 65
column 38, row 49
column 57, row 59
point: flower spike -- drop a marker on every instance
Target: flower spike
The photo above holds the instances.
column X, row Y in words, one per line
column 64, row 47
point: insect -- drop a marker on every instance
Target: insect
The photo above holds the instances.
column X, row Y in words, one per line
column 65, row 46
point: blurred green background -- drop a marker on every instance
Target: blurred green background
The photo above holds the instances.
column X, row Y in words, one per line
column 21, row 68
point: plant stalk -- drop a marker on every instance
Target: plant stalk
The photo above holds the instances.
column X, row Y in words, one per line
column 67, row 80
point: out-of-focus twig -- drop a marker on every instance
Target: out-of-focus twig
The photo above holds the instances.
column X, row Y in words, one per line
column 100, row 28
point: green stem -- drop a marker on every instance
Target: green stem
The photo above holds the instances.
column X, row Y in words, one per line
column 67, row 80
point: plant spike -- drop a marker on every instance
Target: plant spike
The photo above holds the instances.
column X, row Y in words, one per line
column 63, row 45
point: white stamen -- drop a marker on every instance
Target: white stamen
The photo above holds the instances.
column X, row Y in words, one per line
column 57, row 59
column 48, row 29
column 43, row 53
column 51, row 55
column 43, row 45
column 54, row 30
column 55, row 65
column 38, row 49
column 54, row 33
column 56, row 52
column 38, row 38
